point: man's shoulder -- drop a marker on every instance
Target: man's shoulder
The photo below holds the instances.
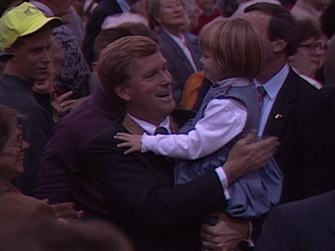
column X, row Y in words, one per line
column 301, row 89
column 317, row 210
column 20, row 101
column 106, row 135
column 84, row 121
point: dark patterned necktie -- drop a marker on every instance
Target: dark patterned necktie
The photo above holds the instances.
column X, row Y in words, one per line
column 161, row 130
column 261, row 94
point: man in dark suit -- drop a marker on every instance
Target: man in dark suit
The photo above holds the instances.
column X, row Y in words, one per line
column 299, row 115
column 139, row 188
column 93, row 27
column 305, row 225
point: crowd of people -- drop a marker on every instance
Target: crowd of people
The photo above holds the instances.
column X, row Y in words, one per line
column 177, row 125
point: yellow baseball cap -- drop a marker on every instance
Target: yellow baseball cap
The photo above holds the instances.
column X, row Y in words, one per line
column 23, row 20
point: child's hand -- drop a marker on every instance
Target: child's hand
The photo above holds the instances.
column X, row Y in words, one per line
column 131, row 140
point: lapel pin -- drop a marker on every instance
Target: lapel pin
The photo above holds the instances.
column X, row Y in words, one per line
column 279, row 116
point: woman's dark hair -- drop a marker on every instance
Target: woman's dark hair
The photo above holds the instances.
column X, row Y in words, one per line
column 307, row 28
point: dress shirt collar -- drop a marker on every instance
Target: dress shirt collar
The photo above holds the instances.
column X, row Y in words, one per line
column 273, row 85
column 150, row 128
column 44, row 8
column 125, row 7
column 181, row 41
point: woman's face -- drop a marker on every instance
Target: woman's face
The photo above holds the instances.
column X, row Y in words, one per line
column 11, row 157
column 309, row 56
column 171, row 13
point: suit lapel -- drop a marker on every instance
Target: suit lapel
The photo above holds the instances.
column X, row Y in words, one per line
column 178, row 52
column 196, row 61
column 282, row 106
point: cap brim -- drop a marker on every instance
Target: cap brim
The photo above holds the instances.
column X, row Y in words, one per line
column 53, row 21
column 5, row 56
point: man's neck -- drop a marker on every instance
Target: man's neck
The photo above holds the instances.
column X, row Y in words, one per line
column 270, row 71
column 151, row 120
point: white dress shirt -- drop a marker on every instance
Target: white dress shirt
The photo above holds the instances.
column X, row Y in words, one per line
column 272, row 88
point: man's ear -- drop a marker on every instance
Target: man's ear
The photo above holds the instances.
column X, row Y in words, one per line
column 157, row 19
column 11, row 50
column 279, row 45
column 95, row 67
column 123, row 92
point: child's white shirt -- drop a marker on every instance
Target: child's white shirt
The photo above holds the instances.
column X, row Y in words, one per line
column 224, row 119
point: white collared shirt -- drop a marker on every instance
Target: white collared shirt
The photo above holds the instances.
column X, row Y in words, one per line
column 183, row 46
column 272, row 88
column 150, row 128
column 125, row 7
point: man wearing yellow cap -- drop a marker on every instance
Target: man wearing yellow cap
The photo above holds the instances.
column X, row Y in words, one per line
column 26, row 32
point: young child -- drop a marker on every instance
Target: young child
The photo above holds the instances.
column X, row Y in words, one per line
column 232, row 56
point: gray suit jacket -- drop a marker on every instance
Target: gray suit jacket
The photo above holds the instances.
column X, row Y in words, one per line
column 178, row 64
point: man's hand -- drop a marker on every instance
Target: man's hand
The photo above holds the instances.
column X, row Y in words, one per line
column 225, row 235
column 66, row 211
column 62, row 104
column 246, row 156
column 131, row 140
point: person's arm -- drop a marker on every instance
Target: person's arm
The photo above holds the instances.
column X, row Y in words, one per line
column 152, row 201
column 223, row 120
column 58, row 158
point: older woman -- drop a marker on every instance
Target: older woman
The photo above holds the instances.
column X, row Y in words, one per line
column 168, row 18
column 310, row 55
column 12, row 146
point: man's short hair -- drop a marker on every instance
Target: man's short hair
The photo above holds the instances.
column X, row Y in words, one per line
column 116, row 60
column 235, row 45
column 282, row 24
column 108, row 36
column 308, row 28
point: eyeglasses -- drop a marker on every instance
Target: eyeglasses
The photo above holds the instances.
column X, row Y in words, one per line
column 315, row 45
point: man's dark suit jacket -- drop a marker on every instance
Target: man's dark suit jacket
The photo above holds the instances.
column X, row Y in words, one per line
column 303, row 119
column 306, row 225
column 178, row 64
column 93, row 26
column 141, row 196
